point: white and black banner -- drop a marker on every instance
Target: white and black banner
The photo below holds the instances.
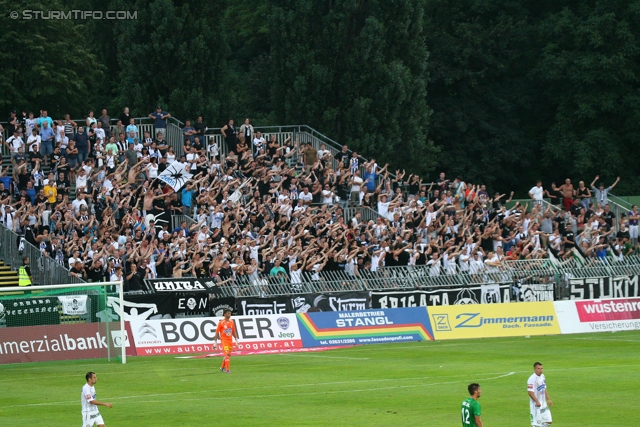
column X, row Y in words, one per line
column 247, row 306
column 346, row 301
column 533, row 292
column 73, row 304
column 604, row 287
column 480, row 294
column 188, row 284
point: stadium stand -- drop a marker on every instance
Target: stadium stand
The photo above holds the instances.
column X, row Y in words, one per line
column 282, row 212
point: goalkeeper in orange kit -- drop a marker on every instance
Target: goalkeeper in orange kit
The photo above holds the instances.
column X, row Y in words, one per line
column 226, row 331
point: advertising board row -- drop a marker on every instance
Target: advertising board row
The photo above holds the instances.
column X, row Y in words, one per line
column 283, row 332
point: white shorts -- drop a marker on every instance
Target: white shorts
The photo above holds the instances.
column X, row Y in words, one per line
column 89, row 419
column 540, row 416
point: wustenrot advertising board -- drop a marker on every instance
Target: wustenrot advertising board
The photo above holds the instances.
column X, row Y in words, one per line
column 326, row 329
column 621, row 314
column 268, row 332
column 494, row 320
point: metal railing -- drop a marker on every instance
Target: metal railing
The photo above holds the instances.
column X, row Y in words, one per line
column 44, row 269
column 536, row 271
column 176, row 220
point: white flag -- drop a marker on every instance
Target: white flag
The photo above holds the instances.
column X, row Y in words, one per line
column 73, row 304
column 237, row 194
column 176, row 175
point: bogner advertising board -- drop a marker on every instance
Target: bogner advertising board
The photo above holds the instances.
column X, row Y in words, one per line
column 606, row 315
column 327, row 329
column 494, row 320
column 195, row 335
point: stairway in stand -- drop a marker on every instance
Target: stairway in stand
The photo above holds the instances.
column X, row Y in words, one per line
column 8, row 277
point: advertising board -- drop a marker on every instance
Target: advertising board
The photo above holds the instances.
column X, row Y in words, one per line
column 607, row 315
column 493, row 320
column 60, row 342
column 321, row 329
column 195, row 335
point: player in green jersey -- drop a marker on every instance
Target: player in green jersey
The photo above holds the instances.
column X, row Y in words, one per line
column 471, row 407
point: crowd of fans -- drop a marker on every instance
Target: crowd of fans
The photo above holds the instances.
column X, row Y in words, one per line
column 271, row 209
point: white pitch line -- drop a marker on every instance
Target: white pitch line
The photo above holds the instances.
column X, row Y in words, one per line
column 334, row 391
column 270, row 387
column 606, row 339
column 331, row 357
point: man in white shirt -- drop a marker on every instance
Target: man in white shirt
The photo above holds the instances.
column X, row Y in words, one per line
column 539, row 400
column 305, row 196
column 327, row 195
column 90, row 413
column 14, row 142
column 100, row 134
column 383, row 206
column 78, row 203
column 33, row 142
column 537, row 192
column 356, row 183
column 258, row 142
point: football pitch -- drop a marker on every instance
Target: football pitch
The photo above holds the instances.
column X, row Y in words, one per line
column 592, row 380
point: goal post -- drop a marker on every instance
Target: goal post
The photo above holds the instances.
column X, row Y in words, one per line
column 62, row 322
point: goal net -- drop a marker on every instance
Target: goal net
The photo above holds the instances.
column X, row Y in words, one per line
column 62, row 322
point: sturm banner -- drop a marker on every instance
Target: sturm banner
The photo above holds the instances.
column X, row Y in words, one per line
column 533, row 292
column 604, row 287
column 329, row 302
column 482, row 294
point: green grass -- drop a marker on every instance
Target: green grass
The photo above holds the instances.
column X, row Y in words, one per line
column 592, row 380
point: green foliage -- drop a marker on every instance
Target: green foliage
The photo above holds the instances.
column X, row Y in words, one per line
column 358, row 71
column 47, row 64
column 172, row 55
column 589, row 65
column 502, row 92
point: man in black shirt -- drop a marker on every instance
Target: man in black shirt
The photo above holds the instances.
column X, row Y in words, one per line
column 96, row 271
column 78, row 270
column 135, row 277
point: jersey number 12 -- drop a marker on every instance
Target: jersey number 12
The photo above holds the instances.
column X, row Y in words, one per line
column 465, row 417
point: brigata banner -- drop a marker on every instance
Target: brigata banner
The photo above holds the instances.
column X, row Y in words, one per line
column 326, row 329
column 604, row 287
column 482, row 294
column 606, row 315
column 494, row 320
column 61, row 342
column 195, row 335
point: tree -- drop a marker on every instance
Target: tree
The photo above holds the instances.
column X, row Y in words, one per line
column 479, row 90
column 358, row 71
column 591, row 74
column 47, row 63
column 172, row 54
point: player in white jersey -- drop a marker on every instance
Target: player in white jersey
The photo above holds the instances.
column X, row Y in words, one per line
column 90, row 413
column 539, row 400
